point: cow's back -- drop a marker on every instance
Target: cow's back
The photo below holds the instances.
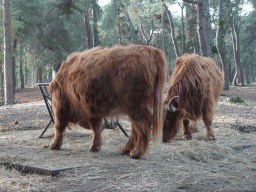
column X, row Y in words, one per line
column 96, row 81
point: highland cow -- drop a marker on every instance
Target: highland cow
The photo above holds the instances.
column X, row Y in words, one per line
column 194, row 88
column 90, row 84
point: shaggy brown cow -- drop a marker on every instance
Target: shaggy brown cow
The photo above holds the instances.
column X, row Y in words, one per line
column 90, row 84
column 194, row 88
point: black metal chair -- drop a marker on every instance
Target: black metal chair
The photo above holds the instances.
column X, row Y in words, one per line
column 48, row 102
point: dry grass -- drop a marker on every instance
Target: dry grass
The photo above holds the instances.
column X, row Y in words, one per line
column 226, row 164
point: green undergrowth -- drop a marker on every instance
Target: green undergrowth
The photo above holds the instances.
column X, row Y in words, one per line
column 237, row 100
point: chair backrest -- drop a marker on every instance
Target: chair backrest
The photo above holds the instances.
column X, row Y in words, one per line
column 47, row 98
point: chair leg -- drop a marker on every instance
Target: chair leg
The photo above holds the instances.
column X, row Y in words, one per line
column 45, row 129
column 122, row 129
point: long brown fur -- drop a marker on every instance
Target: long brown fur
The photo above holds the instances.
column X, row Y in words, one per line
column 90, row 84
column 198, row 82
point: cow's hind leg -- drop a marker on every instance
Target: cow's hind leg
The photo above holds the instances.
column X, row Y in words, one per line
column 60, row 124
column 96, row 124
column 143, row 130
column 130, row 143
column 138, row 144
column 208, row 118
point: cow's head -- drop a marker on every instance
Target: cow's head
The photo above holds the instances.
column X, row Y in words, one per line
column 173, row 120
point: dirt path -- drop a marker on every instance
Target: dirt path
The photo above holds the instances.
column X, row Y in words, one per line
column 226, row 164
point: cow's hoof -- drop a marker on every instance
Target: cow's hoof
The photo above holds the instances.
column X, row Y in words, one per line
column 55, row 146
column 94, row 150
column 125, row 153
column 166, row 141
column 126, row 150
column 210, row 137
column 135, row 156
column 187, row 137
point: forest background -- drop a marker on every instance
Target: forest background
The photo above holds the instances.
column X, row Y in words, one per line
column 45, row 32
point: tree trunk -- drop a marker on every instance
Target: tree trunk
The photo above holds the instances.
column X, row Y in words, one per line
column 247, row 76
column 87, row 24
column 253, row 75
column 13, row 74
column 183, row 30
column 21, row 70
column 39, row 75
column 14, row 49
column 9, row 94
column 1, row 83
column 221, row 48
column 162, row 21
column 26, row 76
column 95, row 29
column 134, row 34
column 238, row 78
column 119, row 29
column 204, row 27
column 143, row 33
column 233, row 73
column 49, row 76
column 176, row 49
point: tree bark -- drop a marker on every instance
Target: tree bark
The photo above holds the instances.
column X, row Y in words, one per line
column 162, row 21
column 238, row 78
column 183, row 29
column 13, row 74
column 119, row 28
column 21, row 69
column 176, row 49
column 87, row 24
column 143, row 33
column 95, row 28
column 253, row 75
column 247, row 74
column 221, row 48
column 9, row 94
column 1, row 83
column 39, row 75
column 134, row 34
column 204, row 27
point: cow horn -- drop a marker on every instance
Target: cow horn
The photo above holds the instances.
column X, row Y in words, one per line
column 171, row 107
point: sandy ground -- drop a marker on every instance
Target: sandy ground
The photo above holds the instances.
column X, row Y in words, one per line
column 226, row 164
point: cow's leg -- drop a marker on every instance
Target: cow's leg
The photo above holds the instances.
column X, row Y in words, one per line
column 60, row 124
column 141, row 130
column 96, row 124
column 187, row 134
column 208, row 112
column 130, row 143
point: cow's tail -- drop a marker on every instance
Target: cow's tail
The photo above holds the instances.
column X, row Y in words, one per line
column 161, row 65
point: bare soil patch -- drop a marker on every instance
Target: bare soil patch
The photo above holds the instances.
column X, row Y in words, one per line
column 225, row 164
column 25, row 95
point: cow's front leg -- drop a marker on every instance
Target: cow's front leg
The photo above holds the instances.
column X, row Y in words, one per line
column 61, row 119
column 96, row 124
column 187, row 134
column 60, row 126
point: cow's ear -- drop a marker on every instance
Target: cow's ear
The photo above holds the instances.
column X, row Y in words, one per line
column 171, row 107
